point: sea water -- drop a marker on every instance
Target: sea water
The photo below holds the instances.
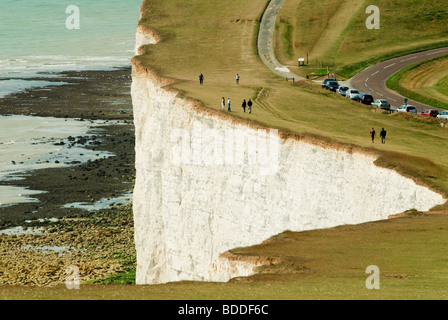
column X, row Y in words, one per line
column 38, row 40
column 30, row 143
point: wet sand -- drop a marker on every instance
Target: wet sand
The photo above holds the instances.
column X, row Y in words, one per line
column 89, row 95
column 99, row 243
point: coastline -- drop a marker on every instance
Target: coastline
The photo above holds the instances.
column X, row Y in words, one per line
column 88, row 239
column 167, row 209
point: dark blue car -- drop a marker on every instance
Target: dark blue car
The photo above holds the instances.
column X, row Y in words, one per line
column 332, row 85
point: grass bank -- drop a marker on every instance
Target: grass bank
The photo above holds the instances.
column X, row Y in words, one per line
column 335, row 32
column 317, row 264
column 424, row 82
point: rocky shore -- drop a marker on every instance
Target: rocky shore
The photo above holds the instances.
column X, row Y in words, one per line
column 40, row 240
column 99, row 246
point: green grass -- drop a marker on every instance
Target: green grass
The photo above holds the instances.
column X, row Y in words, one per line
column 442, row 86
column 124, row 277
column 287, row 39
column 401, row 27
column 127, row 276
column 398, row 83
column 405, row 26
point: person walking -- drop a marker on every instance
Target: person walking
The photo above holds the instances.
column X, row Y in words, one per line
column 244, row 105
column 249, row 105
column 201, row 78
column 383, row 135
column 372, row 134
column 228, row 104
column 223, row 103
column 237, row 78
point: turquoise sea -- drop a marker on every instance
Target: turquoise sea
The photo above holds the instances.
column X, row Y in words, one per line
column 40, row 36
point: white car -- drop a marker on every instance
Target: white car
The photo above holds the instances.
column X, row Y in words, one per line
column 407, row 108
column 443, row 115
column 342, row 90
column 351, row 93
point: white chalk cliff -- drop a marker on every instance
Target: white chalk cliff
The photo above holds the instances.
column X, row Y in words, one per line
column 199, row 193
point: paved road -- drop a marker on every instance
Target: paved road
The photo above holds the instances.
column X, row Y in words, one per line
column 373, row 79
column 265, row 36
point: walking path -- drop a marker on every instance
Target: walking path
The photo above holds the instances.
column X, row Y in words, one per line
column 265, row 36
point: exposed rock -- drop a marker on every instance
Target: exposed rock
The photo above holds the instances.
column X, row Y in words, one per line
column 88, row 244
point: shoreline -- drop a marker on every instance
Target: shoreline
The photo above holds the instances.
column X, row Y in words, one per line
column 88, row 239
column 105, row 176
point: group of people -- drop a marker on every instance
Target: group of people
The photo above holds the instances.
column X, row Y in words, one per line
column 245, row 104
column 248, row 104
column 382, row 135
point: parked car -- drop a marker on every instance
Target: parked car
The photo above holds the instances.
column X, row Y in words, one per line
column 443, row 115
column 407, row 108
column 342, row 90
column 381, row 103
column 327, row 80
column 332, row 85
column 365, row 98
column 430, row 113
column 352, row 94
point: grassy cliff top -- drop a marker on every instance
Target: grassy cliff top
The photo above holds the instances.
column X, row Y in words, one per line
column 218, row 39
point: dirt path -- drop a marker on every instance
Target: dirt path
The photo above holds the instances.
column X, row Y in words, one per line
column 265, row 36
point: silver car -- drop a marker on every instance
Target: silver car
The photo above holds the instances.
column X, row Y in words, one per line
column 407, row 108
column 342, row 90
column 352, row 93
column 443, row 115
column 381, row 103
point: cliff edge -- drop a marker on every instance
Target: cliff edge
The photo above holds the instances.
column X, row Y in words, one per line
column 206, row 183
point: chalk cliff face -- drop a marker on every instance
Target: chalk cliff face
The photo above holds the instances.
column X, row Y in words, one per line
column 206, row 184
